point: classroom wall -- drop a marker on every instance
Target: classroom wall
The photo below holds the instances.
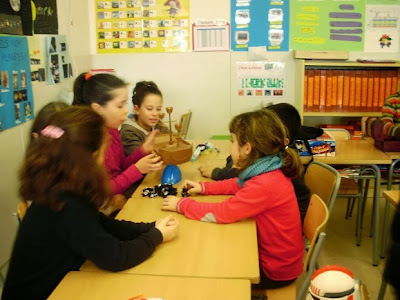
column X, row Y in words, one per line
column 202, row 82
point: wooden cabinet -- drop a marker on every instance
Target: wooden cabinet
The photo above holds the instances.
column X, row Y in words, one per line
column 329, row 88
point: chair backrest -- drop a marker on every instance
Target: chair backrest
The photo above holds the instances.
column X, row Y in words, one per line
column 184, row 122
column 338, row 133
column 324, row 181
column 314, row 224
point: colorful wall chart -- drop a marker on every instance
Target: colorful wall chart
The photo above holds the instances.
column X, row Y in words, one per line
column 261, row 79
column 382, row 28
column 260, row 23
column 327, row 25
column 142, row 26
column 58, row 65
column 16, row 98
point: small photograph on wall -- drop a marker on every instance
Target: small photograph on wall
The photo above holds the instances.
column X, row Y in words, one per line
column 36, row 50
column 58, row 63
column 4, row 79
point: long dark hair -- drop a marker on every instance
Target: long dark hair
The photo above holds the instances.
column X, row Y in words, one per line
column 142, row 89
column 266, row 134
column 97, row 88
column 66, row 163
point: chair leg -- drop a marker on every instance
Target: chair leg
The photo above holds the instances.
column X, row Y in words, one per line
column 382, row 289
column 385, row 229
column 350, row 203
column 361, row 205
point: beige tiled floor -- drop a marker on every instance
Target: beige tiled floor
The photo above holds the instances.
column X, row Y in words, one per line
column 340, row 248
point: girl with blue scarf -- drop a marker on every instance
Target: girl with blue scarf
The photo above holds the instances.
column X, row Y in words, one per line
column 263, row 191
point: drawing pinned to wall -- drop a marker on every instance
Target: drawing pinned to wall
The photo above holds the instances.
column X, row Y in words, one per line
column 36, row 59
column 327, row 25
column 58, row 64
column 46, row 19
column 260, row 23
column 16, row 98
column 383, row 28
column 16, row 17
column 142, row 26
column 261, row 79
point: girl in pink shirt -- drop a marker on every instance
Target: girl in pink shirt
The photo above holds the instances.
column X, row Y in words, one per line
column 108, row 96
column 263, row 191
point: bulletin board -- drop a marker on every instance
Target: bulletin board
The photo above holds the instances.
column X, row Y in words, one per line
column 142, row 26
column 260, row 23
column 16, row 98
column 327, row 25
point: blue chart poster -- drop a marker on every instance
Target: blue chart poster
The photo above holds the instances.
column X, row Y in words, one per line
column 16, row 99
column 260, row 23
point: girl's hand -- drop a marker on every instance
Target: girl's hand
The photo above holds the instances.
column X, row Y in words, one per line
column 170, row 203
column 149, row 163
column 168, row 227
column 148, row 145
column 205, row 172
column 192, row 187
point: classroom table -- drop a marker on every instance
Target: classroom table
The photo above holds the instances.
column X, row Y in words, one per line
column 201, row 249
column 361, row 152
column 102, row 286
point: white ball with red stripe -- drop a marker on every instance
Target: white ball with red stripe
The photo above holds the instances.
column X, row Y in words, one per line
column 332, row 282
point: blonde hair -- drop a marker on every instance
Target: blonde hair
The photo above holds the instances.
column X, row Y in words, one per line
column 267, row 135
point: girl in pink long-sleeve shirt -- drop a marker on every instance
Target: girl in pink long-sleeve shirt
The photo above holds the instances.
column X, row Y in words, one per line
column 263, row 191
column 108, row 96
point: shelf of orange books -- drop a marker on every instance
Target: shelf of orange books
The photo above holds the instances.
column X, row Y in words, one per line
column 332, row 88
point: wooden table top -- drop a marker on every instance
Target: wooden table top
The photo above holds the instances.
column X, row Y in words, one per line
column 393, row 196
column 102, row 286
column 354, row 152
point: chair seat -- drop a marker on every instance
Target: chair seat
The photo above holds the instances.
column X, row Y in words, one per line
column 392, row 196
column 348, row 187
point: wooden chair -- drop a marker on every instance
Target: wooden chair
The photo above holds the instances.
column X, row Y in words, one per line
column 324, row 181
column 314, row 224
column 183, row 124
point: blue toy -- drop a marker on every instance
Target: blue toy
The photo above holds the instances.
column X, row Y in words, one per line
column 172, row 175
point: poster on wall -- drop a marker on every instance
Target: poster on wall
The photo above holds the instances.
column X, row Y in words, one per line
column 142, row 26
column 16, row 98
column 16, row 17
column 261, row 79
column 327, row 25
column 36, row 59
column 46, row 21
column 58, row 64
column 260, row 23
column 382, row 28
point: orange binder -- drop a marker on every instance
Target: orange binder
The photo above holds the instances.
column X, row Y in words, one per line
column 375, row 101
column 346, row 88
column 340, row 89
column 322, row 90
column 329, row 78
column 352, row 91
column 395, row 81
column 357, row 100
column 388, row 90
column 310, row 90
column 305, row 90
column 334, row 88
column 382, row 88
column 317, row 82
column 370, row 92
column 364, row 89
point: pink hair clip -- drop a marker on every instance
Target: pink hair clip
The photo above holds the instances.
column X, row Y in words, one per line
column 52, row 132
column 88, row 75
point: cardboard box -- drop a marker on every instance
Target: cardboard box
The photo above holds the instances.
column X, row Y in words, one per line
column 324, row 145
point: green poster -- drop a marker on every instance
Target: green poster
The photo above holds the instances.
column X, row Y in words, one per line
column 327, row 25
column 383, row 2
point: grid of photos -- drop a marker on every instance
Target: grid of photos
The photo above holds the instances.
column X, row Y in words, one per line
column 142, row 26
column 16, row 103
column 58, row 62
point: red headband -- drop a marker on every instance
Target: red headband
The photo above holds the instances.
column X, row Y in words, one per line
column 88, row 75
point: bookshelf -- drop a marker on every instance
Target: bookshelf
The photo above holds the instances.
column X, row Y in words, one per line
column 328, row 88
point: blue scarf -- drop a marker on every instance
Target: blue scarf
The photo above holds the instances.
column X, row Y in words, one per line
column 261, row 165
